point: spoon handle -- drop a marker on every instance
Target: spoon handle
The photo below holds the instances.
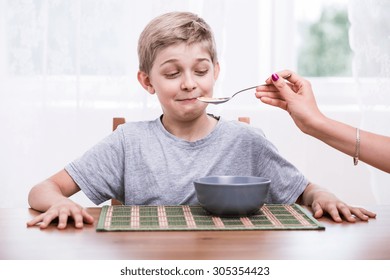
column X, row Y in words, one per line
column 243, row 90
column 286, row 77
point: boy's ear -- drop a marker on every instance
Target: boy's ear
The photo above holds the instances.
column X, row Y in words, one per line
column 144, row 80
column 216, row 70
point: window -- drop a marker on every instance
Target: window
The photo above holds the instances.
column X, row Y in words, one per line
column 323, row 48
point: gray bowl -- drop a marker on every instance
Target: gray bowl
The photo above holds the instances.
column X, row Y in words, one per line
column 232, row 195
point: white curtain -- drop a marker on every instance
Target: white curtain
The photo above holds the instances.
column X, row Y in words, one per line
column 68, row 66
column 370, row 42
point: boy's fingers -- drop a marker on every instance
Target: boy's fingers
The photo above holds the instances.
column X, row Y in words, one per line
column 333, row 211
column 344, row 210
column 47, row 219
column 368, row 213
column 78, row 217
column 35, row 220
column 317, row 209
column 87, row 217
column 362, row 213
column 62, row 220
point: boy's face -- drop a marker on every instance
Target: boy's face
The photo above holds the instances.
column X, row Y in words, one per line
column 180, row 74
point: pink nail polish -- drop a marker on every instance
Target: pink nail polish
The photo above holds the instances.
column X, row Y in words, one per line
column 275, row 77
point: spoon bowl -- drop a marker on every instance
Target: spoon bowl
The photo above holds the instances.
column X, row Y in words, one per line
column 219, row 100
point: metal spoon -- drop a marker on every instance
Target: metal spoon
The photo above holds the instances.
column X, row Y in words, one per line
column 219, row 100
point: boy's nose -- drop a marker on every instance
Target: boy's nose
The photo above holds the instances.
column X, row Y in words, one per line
column 188, row 83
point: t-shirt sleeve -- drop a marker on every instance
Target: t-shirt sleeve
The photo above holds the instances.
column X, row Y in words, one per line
column 99, row 172
column 287, row 182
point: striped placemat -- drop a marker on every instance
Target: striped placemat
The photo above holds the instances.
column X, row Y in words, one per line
column 184, row 217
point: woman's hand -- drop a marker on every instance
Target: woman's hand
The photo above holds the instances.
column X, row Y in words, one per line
column 63, row 210
column 294, row 95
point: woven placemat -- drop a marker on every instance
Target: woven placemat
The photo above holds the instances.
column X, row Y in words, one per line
column 184, row 217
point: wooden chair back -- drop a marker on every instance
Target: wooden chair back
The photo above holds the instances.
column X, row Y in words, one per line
column 115, row 123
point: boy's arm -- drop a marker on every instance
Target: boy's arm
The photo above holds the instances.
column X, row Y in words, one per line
column 51, row 197
column 322, row 201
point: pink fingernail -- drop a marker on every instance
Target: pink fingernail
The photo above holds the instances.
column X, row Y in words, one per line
column 275, row 77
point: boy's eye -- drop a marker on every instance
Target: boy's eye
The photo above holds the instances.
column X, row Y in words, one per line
column 171, row 75
column 201, row 72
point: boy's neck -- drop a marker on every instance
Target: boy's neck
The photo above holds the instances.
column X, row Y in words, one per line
column 193, row 130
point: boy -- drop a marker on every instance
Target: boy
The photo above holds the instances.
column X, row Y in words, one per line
column 155, row 162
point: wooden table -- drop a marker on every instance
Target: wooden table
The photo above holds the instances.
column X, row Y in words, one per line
column 362, row 240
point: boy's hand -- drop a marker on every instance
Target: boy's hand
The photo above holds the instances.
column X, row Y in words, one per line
column 63, row 210
column 325, row 202
column 322, row 201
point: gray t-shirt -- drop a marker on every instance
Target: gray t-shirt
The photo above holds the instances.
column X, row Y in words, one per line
column 141, row 163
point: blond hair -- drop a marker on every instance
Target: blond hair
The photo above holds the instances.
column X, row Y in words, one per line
column 170, row 29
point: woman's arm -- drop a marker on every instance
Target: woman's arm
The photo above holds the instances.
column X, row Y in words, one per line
column 297, row 98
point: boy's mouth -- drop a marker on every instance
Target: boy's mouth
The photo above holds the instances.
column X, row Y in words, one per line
column 187, row 99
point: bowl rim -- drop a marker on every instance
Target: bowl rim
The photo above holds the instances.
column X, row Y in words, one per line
column 263, row 181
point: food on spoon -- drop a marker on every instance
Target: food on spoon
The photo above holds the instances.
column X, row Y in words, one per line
column 208, row 99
